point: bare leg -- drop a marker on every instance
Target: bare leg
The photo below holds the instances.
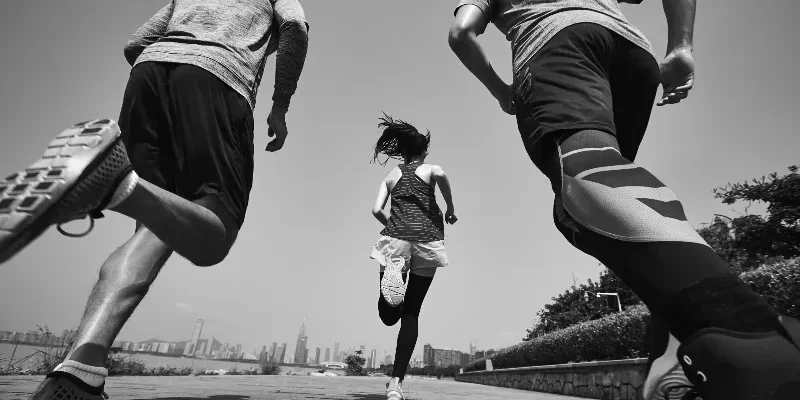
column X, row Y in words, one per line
column 124, row 280
column 202, row 232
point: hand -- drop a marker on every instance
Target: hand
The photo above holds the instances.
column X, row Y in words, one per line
column 450, row 217
column 277, row 127
column 505, row 96
column 677, row 76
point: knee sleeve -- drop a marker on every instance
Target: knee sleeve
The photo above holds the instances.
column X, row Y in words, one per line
column 605, row 193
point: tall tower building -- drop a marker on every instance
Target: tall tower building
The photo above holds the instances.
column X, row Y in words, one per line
column 300, row 350
column 373, row 356
column 428, row 356
column 327, row 354
column 192, row 345
column 336, row 357
column 272, row 351
column 316, row 359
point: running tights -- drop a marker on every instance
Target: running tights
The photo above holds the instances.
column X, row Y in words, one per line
column 408, row 315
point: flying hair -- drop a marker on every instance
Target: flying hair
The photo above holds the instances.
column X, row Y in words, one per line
column 399, row 140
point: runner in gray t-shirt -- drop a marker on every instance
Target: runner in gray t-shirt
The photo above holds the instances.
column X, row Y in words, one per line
column 180, row 162
column 585, row 80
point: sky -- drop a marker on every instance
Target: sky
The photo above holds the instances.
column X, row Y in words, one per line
column 303, row 252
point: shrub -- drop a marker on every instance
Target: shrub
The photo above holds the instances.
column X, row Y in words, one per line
column 622, row 335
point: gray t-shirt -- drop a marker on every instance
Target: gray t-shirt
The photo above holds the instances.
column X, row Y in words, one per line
column 229, row 38
column 529, row 24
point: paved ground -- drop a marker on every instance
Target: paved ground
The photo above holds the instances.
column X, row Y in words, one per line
column 278, row 387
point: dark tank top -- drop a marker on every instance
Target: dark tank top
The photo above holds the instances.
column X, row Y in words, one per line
column 415, row 216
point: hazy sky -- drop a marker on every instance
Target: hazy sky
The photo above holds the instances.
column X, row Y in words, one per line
column 303, row 251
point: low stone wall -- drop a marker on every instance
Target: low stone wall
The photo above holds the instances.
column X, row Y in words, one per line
column 607, row 380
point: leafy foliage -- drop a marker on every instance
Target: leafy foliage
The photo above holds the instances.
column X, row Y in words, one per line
column 579, row 304
column 753, row 239
column 622, row 335
column 355, row 364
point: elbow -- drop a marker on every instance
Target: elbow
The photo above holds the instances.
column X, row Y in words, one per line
column 376, row 212
column 295, row 24
column 457, row 36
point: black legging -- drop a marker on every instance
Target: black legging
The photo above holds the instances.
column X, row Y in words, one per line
column 655, row 270
column 408, row 312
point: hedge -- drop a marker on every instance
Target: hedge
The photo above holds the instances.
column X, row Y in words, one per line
column 622, row 335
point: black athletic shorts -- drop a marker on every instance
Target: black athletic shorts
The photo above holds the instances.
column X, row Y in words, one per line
column 585, row 77
column 188, row 132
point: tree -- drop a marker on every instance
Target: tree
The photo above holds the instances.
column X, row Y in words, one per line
column 579, row 303
column 750, row 240
column 355, row 364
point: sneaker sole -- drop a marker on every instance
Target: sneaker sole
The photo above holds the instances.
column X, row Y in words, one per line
column 392, row 286
column 29, row 199
column 665, row 379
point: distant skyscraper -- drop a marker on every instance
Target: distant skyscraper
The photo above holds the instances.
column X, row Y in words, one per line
column 428, row 356
column 282, row 351
column 300, row 350
column 316, row 359
column 373, row 356
column 327, row 354
column 192, row 345
column 472, row 349
column 272, row 351
column 336, row 352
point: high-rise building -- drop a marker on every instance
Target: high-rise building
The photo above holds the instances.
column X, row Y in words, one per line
column 336, row 355
column 272, row 351
column 373, row 357
column 327, row 354
column 472, row 349
column 281, row 354
column 192, row 345
column 428, row 355
column 300, row 349
column 316, row 359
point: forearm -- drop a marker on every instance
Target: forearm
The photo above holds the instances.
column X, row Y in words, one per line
column 381, row 217
column 444, row 187
column 680, row 23
column 292, row 49
column 465, row 45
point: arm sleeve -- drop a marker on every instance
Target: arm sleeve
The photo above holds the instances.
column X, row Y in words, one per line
column 148, row 33
column 292, row 46
column 484, row 5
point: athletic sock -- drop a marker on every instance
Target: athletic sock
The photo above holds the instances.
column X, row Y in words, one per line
column 721, row 302
column 124, row 189
column 92, row 376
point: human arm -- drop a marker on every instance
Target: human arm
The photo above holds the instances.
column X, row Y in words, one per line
column 292, row 46
column 380, row 203
column 470, row 22
column 677, row 69
column 149, row 33
column 438, row 176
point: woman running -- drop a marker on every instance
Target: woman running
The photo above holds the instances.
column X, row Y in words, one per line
column 413, row 238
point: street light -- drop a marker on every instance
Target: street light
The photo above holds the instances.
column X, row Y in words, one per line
column 586, row 296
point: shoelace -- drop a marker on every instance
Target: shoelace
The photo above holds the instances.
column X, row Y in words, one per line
column 92, row 216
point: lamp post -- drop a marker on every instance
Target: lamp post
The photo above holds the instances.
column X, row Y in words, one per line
column 619, row 304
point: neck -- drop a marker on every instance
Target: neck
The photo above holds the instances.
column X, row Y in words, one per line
column 414, row 159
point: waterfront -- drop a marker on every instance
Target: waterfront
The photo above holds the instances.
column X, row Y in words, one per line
column 24, row 351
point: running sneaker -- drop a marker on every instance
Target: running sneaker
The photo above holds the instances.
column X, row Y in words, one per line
column 63, row 386
column 393, row 288
column 394, row 391
column 728, row 365
column 665, row 378
column 75, row 177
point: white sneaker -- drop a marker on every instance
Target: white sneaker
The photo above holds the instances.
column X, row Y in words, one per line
column 393, row 288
